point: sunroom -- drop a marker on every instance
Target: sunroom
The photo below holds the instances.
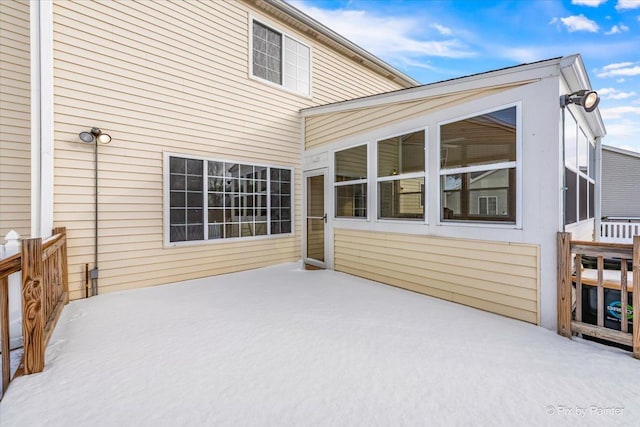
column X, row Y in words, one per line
column 453, row 189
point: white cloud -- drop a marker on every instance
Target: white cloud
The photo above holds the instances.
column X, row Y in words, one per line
column 616, row 65
column 578, row 23
column 617, row 29
column 621, row 112
column 445, row 31
column 620, row 69
column 612, row 93
column 591, row 3
column 628, row 4
column 392, row 38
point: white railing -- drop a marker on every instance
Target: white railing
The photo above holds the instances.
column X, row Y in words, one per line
column 619, row 232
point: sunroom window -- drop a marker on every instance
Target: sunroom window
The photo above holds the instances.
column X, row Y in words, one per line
column 212, row 199
column 401, row 175
column 280, row 59
column 580, row 165
column 478, row 168
column 351, row 182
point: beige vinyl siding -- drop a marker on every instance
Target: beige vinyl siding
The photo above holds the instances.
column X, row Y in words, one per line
column 327, row 128
column 498, row 277
column 15, row 118
column 170, row 76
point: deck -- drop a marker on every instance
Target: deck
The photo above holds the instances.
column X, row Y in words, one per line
column 288, row 347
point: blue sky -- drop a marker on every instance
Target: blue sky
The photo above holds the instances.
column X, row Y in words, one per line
column 433, row 40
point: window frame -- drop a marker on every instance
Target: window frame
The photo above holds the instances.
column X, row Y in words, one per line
column 517, row 165
column 285, row 34
column 166, row 204
column 360, row 181
column 376, row 180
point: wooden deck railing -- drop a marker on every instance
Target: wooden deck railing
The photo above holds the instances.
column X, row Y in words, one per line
column 44, row 292
column 570, row 319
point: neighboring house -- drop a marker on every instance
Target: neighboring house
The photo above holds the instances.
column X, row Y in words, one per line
column 246, row 134
column 620, row 183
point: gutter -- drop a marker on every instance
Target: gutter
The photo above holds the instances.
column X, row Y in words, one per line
column 362, row 55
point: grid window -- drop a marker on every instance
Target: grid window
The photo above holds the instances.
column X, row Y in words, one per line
column 267, row 53
column 212, row 199
column 280, row 59
column 186, row 200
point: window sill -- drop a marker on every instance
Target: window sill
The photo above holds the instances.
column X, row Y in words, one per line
column 171, row 245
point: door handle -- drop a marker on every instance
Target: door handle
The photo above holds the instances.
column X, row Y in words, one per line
column 324, row 217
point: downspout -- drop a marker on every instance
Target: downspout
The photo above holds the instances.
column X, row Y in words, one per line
column 564, row 174
column 41, row 45
column 36, row 101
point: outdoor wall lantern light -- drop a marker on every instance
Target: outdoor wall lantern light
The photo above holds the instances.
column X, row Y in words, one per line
column 102, row 138
column 588, row 99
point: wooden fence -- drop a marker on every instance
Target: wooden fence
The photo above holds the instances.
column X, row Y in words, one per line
column 45, row 291
column 618, row 277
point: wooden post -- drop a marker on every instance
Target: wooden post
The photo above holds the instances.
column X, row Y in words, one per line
column 564, row 284
column 4, row 329
column 600, row 292
column 65, row 268
column 636, row 297
column 33, row 321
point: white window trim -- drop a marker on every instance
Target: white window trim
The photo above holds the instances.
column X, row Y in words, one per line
column 166, row 208
column 424, row 174
column 517, row 164
column 275, row 27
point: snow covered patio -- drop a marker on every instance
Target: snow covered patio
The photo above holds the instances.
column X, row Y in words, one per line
column 287, row 347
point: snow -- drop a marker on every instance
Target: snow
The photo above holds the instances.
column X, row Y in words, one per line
column 281, row 346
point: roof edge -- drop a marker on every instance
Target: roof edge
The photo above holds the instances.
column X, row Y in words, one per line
column 337, row 38
column 438, row 88
column 621, row 151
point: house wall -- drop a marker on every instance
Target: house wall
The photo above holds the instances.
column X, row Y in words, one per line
column 539, row 205
column 620, row 178
column 494, row 276
column 171, row 76
column 15, row 116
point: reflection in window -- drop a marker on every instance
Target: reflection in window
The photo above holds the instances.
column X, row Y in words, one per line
column 351, row 182
column 401, row 176
column 478, row 168
column 241, row 200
